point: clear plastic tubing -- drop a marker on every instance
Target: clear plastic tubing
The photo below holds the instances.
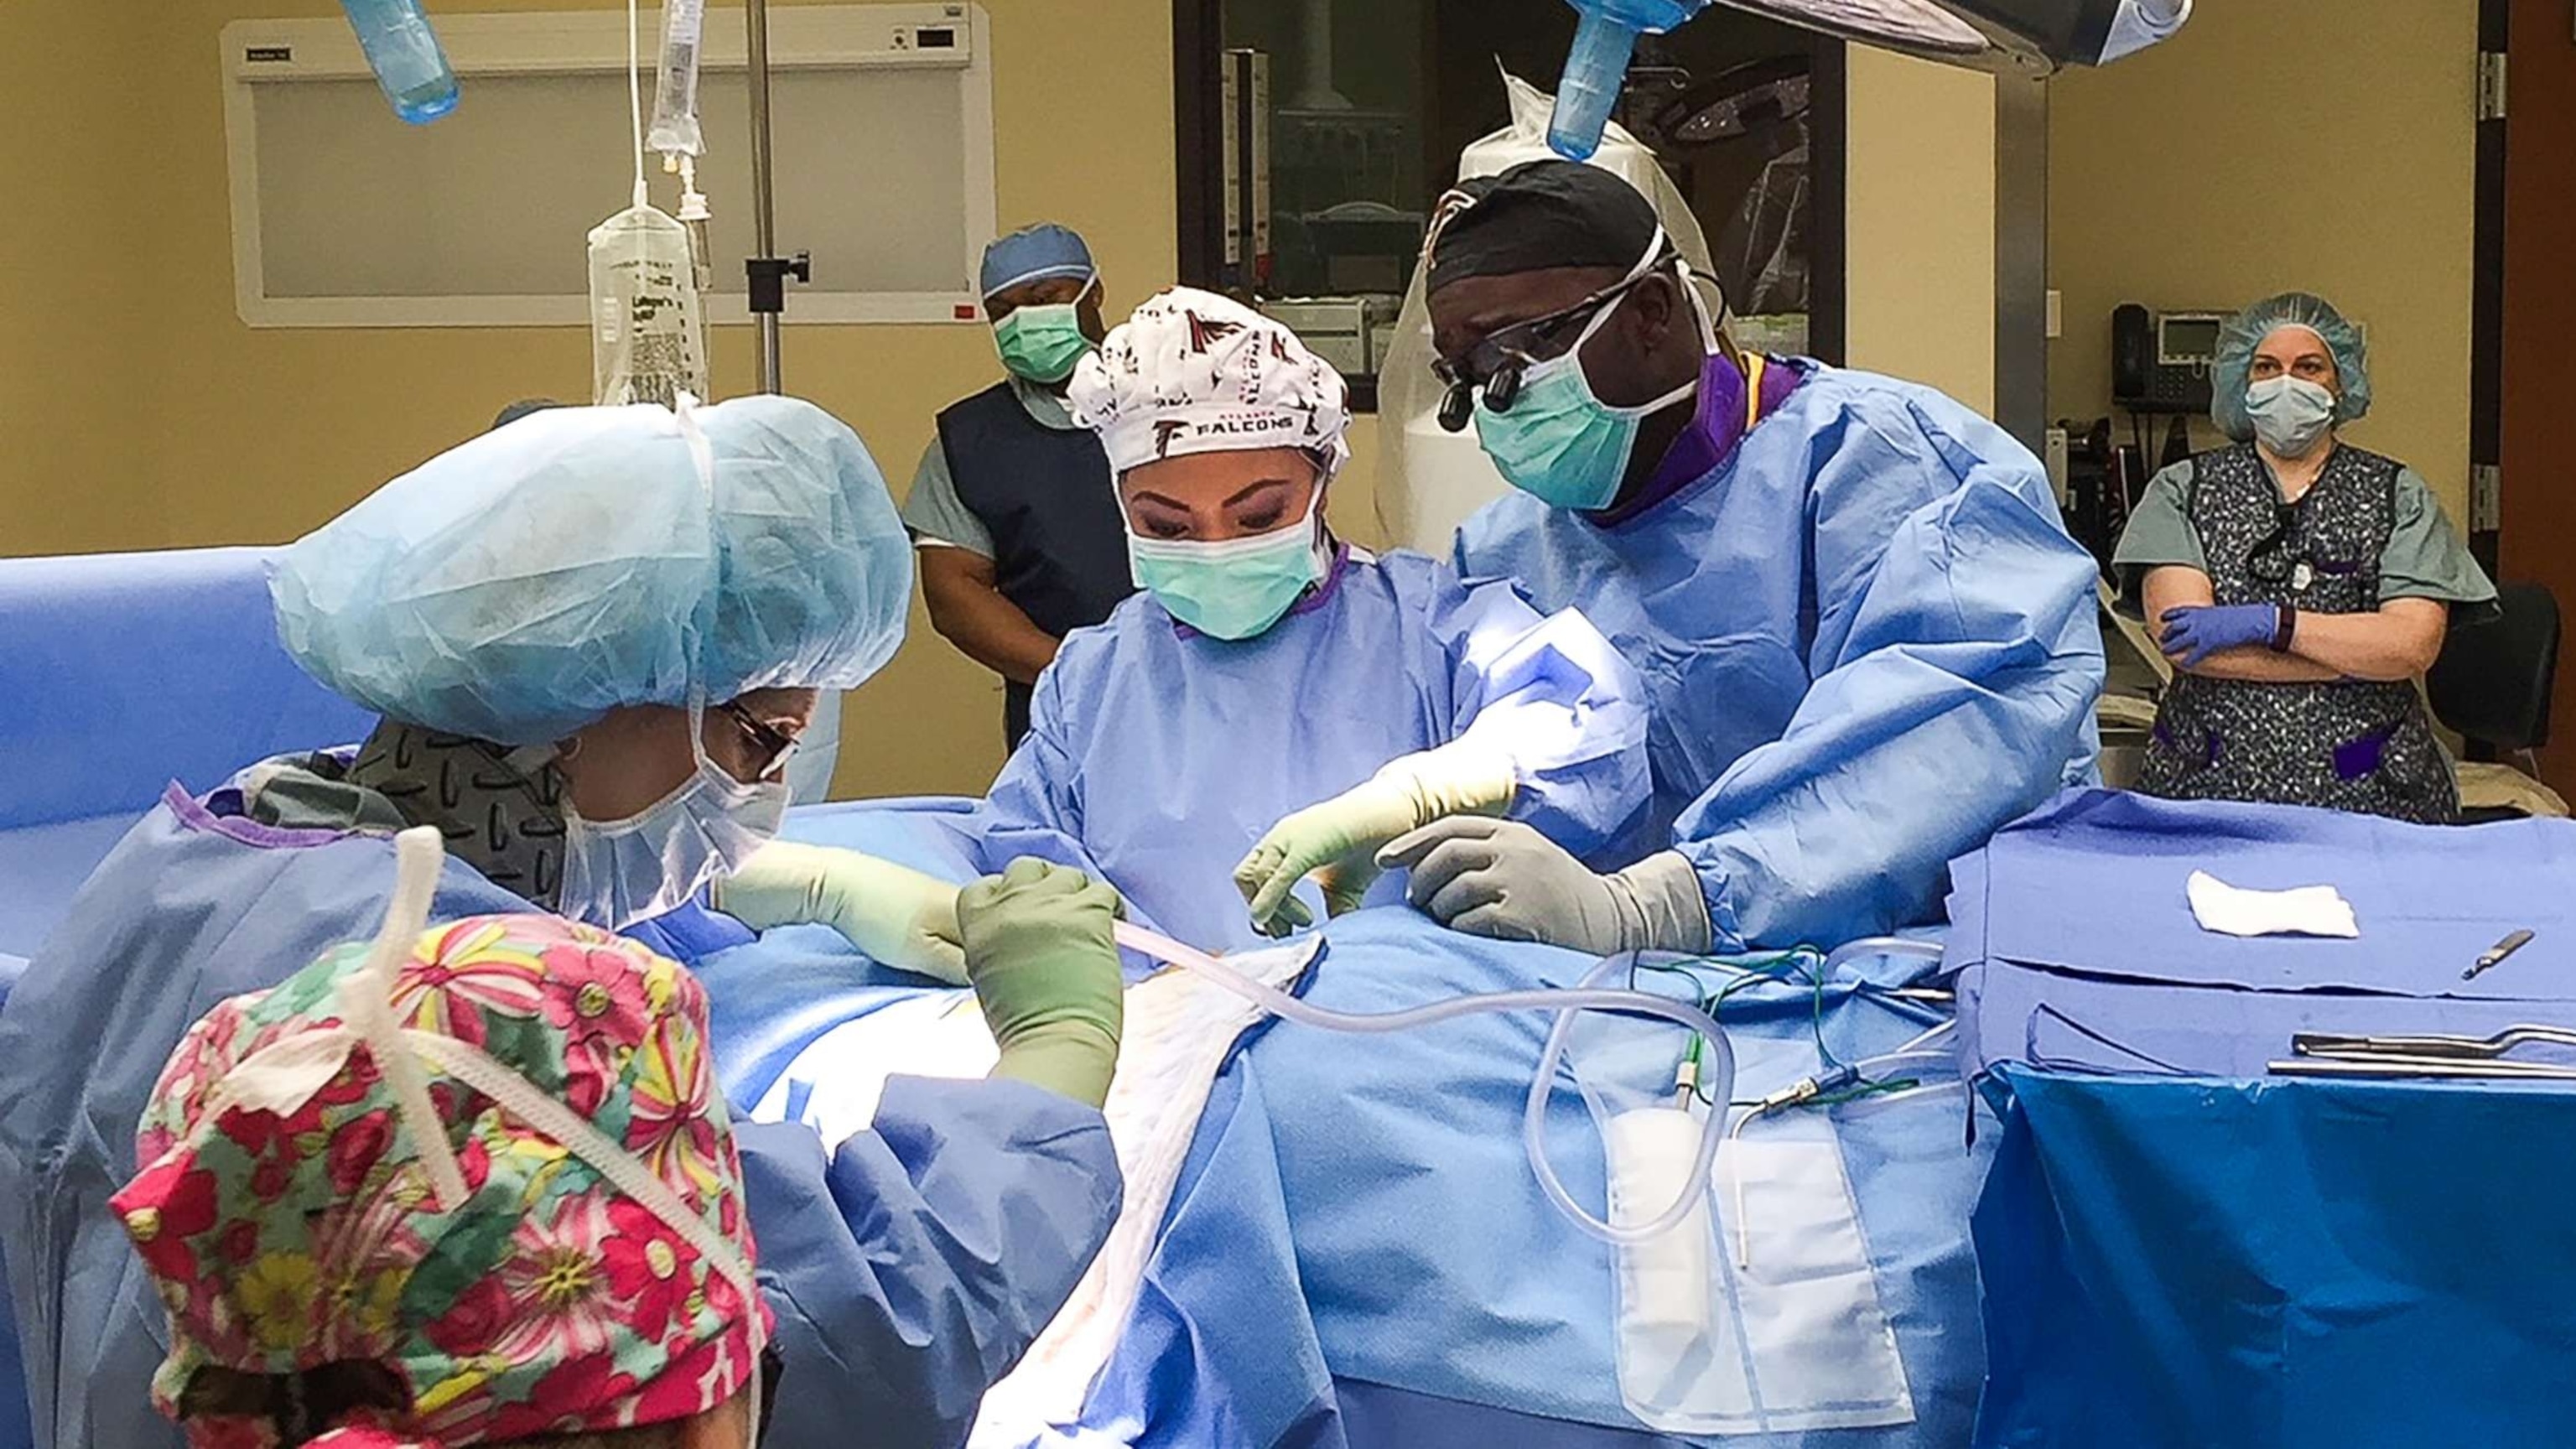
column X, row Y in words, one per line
column 1878, row 946
column 404, row 52
column 675, row 130
column 1717, row 1063
column 1597, row 65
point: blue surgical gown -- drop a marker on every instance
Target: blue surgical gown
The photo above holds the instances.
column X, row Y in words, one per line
column 1867, row 640
column 1157, row 756
column 909, row 1265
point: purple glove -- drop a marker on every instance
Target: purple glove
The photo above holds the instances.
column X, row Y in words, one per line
column 2194, row 633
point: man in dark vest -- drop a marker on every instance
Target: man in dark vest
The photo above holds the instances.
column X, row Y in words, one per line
column 1013, row 511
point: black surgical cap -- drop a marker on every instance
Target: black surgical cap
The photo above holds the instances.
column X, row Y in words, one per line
column 522, row 408
column 1543, row 214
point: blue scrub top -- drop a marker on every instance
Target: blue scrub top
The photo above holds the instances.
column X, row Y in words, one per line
column 1866, row 638
column 1158, row 756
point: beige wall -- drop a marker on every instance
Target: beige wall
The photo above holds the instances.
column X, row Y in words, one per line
column 1920, row 212
column 74, row 286
column 2269, row 147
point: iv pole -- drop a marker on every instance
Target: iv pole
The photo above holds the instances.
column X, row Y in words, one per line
column 766, row 272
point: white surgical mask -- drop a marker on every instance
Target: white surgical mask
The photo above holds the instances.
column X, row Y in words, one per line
column 619, row 872
column 2291, row 414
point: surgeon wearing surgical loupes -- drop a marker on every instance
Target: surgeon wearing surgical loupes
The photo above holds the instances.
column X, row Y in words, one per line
column 592, row 633
column 1865, row 635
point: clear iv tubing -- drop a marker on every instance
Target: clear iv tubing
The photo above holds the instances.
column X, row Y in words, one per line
column 1878, row 946
column 1717, row 1063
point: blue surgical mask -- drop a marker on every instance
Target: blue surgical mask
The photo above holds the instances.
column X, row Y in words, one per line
column 2290, row 414
column 619, row 872
column 1559, row 442
column 1238, row 588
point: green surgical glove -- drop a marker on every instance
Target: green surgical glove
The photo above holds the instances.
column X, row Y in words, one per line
column 1337, row 841
column 897, row 915
column 1039, row 951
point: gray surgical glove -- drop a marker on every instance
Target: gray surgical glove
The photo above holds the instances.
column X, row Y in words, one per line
column 1504, row 880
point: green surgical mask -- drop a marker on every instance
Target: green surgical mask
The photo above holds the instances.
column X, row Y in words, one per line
column 1558, row 441
column 1042, row 343
column 1235, row 589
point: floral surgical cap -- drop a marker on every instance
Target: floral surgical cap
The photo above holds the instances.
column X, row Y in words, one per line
column 319, row 1282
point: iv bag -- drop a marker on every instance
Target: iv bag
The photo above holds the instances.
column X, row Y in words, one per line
column 648, row 342
column 675, row 87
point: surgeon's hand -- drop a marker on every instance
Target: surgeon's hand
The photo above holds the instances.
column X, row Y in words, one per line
column 1045, row 969
column 1504, row 880
column 897, row 915
column 1338, row 841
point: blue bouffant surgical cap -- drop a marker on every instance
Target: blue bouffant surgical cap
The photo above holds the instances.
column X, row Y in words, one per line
column 523, row 584
column 2246, row 330
column 1034, row 254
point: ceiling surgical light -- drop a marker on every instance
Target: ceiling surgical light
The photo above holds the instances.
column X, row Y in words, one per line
column 2028, row 37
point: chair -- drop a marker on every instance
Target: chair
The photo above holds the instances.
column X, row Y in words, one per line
column 2493, row 681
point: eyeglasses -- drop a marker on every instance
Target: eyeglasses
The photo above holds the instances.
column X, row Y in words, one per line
column 771, row 746
column 1495, row 364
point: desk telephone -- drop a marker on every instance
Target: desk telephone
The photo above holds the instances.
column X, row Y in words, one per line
column 2160, row 360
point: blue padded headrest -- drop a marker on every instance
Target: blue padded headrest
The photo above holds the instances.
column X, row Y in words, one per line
column 122, row 672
